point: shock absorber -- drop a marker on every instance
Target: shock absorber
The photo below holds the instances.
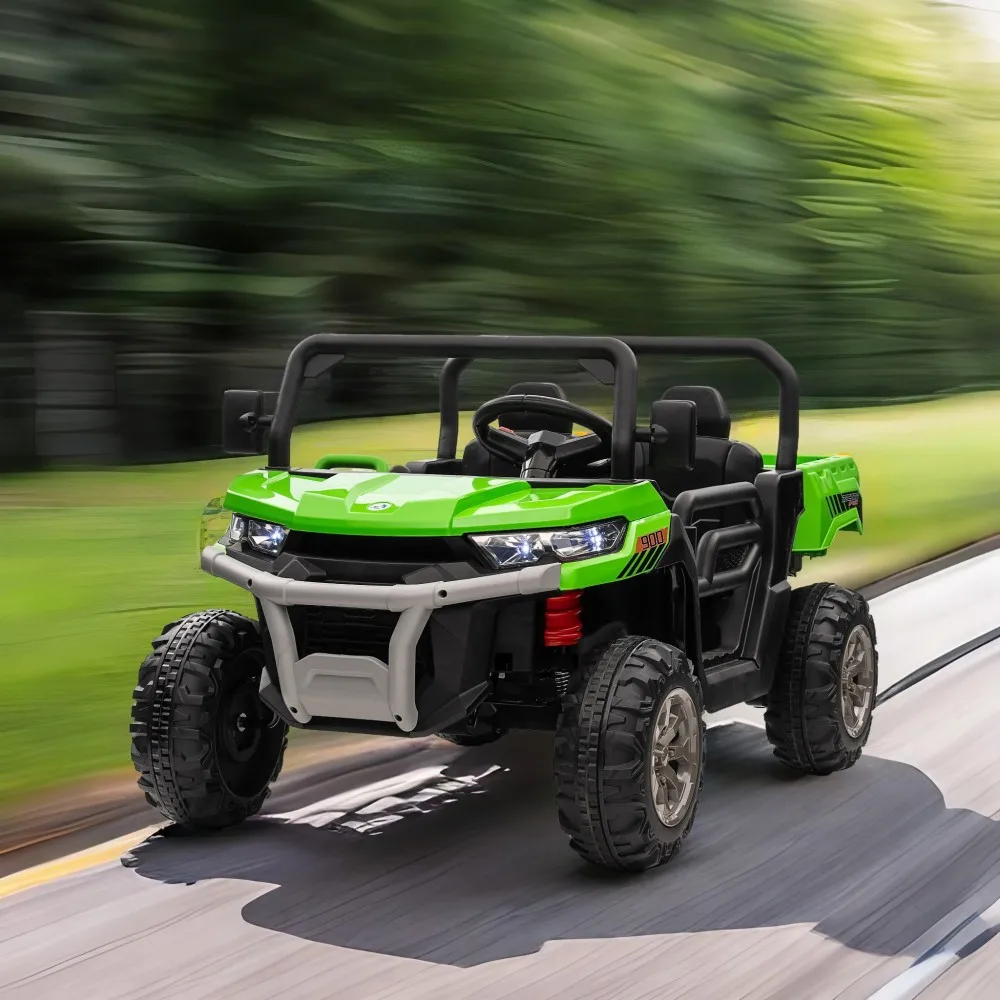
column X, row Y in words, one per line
column 563, row 628
column 563, row 619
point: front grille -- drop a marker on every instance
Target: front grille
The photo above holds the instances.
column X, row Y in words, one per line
column 351, row 632
column 839, row 503
column 394, row 549
column 363, row 559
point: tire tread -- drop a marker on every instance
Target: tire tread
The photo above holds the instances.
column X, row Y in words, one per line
column 802, row 714
column 172, row 727
column 601, row 786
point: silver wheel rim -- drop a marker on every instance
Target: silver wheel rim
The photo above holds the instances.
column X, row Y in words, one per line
column 676, row 756
column 857, row 680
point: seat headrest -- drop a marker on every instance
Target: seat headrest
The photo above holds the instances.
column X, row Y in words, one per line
column 522, row 422
column 676, row 451
column 713, row 414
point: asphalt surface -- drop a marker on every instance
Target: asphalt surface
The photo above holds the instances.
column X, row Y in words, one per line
column 444, row 874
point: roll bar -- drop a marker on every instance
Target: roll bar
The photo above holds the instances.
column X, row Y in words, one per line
column 737, row 347
column 462, row 349
column 743, row 347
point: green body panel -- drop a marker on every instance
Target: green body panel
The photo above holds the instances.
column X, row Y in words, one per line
column 640, row 553
column 825, row 481
column 431, row 505
column 459, row 505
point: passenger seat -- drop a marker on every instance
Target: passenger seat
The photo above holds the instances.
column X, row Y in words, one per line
column 717, row 459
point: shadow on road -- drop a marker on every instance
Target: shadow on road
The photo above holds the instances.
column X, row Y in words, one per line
column 435, row 871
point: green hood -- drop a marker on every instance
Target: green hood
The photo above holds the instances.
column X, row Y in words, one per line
column 389, row 503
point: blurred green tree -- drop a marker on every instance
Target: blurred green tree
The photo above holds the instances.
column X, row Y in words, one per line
column 814, row 172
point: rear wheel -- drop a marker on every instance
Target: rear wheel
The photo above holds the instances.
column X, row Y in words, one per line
column 205, row 746
column 819, row 709
column 629, row 755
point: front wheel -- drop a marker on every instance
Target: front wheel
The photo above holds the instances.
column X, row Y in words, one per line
column 630, row 754
column 205, row 746
column 819, row 709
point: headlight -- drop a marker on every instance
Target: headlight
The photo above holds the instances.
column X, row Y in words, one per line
column 566, row 544
column 262, row 535
column 227, row 528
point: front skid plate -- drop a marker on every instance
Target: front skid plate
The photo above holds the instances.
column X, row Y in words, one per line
column 362, row 687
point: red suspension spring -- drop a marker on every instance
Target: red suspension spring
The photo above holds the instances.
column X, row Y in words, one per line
column 563, row 622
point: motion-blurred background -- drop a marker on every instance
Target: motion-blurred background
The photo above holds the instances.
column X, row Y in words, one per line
column 189, row 186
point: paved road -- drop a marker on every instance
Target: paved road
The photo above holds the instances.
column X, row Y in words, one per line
column 445, row 875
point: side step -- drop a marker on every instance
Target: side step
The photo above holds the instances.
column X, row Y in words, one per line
column 731, row 683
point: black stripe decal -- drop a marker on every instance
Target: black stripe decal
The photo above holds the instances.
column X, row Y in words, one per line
column 640, row 562
column 643, row 559
column 663, row 555
column 627, row 569
column 840, row 503
column 648, row 559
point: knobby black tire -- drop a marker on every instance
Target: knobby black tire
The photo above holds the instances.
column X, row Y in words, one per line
column 175, row 722
column 804, row 717
column 602, row 762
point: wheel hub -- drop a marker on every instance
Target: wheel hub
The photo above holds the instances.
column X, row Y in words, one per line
column 857, row 680
column 242, row 724
column 675, row 756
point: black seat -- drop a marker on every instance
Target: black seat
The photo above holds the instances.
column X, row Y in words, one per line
column 477, row 461
column 717, row 459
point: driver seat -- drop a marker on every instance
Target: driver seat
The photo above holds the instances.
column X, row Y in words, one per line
column 477, row 461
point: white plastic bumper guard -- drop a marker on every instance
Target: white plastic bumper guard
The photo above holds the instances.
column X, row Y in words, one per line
column 361, row 687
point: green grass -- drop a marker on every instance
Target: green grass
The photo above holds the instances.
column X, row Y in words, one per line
column 94, row 563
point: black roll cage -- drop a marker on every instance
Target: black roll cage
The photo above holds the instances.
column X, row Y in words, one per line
column 786, row 456
column 466, row 347
column 461, row 350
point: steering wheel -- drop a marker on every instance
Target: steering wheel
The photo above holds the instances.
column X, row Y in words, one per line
column 542, row 453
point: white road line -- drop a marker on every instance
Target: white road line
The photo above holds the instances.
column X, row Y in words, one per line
column 936, row 961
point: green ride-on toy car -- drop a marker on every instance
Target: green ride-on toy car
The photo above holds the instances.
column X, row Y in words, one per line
column 611, row 587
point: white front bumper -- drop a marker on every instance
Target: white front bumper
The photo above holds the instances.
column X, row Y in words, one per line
column 333, row 685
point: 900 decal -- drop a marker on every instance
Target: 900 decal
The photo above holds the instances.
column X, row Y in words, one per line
column 650, row 541
column 648, row 550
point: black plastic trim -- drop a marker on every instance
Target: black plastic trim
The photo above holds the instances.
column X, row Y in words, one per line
column 757, row 350
column 739, row 347
column 481, row 346
column 691, row 502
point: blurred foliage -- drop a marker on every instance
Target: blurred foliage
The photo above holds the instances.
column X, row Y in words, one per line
column 817, row 172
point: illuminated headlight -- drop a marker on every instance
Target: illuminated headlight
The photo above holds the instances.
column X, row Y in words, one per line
column 261, row 535
column 566, row 544
column 226, row 528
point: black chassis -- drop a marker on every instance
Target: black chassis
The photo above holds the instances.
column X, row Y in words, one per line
column 484, row 665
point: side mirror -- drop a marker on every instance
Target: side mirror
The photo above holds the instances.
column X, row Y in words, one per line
column 246, row 417
column 672, row 429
